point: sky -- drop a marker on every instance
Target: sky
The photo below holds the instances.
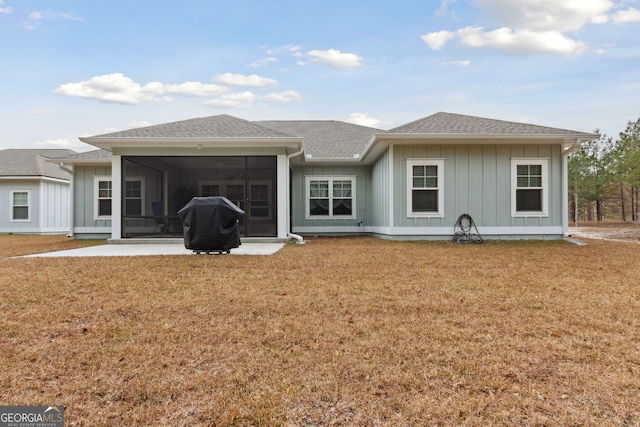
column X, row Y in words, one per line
column 74, row 68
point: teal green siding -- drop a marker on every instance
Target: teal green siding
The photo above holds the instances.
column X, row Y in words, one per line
column 477, row 181
column 84, row 195
column 379, row 205
column 298, row 196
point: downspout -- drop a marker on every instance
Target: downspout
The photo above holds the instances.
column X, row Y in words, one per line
column 300, row 240
column 69, row 170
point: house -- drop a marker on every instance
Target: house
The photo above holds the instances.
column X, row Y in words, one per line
column 329, row 177
column 34, row 194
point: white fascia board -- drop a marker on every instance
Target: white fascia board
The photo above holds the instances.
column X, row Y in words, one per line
column 80, row 162
column 35, row 178
column 466, row 138
column 109, row 143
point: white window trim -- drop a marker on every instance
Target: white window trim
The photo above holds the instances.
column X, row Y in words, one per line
column 331, row 179
column 544, row 162
column 11, row 205
column 142, row 193
column 96, row 180
column 425, row 162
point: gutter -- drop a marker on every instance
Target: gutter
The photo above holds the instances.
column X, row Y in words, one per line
column 299, row 238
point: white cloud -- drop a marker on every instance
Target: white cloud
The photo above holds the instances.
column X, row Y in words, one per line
column 253, row 80
column 193, row 89
column 527, row 26
column 438, row 39
column 120, row 89
column 521, row 41
column 462, row 63
column 263, row 62
column 364, row 119
column 287, row 48
column 443, row 10
column 6, row 10
column 233, row 100
column 625, row 16
column 543, row 15
column 283, row 97
column 110, row 88
column 36, row 18
column 335, row 58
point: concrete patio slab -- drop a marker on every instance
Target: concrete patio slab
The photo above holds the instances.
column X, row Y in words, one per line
column 155, row 249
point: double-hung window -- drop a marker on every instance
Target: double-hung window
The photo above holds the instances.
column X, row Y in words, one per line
column 425, row 187
column 134, row 197
column 104, row 195
column 20, row 205
column 331, row 197
column 529, row 187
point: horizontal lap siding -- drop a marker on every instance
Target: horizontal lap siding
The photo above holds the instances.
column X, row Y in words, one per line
column 477, row 181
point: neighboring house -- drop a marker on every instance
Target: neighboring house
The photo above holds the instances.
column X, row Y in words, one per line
column 330, row 177
column 34, row 194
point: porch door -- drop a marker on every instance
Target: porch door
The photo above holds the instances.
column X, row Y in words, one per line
column 255, row 195
column 261, row 208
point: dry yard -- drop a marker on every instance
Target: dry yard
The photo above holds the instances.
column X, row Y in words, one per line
column 348, row 331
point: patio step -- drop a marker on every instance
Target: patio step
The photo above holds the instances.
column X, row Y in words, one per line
column 180, row 240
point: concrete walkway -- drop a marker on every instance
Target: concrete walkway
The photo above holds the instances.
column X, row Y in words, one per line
column 147, row 249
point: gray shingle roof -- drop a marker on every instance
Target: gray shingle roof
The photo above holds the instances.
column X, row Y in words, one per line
column 326, row 138
column 88, row 155
column 30, row 163
column 221, row 126
column 449, row 123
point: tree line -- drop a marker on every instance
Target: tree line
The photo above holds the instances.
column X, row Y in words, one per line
column 604, row 178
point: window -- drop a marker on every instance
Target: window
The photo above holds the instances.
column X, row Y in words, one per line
column 133, row 197
column 260, row 196
column 330, row 197
column 529, row 190
column 104, row 194
column 20, row 205
column 425, row 183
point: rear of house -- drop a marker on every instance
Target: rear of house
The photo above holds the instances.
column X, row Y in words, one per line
column 330, row 177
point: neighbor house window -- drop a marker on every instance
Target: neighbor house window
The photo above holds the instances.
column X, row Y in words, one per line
column 133, row 197
column 104, row 194
column 20, row 205
column 425, row 184
column 529, row 188
column 330, row 197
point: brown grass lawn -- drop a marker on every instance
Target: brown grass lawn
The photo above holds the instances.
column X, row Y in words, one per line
column 341, row 331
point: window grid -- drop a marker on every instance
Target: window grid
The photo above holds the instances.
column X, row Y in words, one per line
column 20, row 206
column 330, row 197
column 425, row 196
column 529, row 188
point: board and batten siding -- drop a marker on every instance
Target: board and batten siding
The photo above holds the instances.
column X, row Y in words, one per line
column 54, row 207
column 302, row 224
column 84, row 195
column 477, row 181
column 379, row 205
column 48, row 207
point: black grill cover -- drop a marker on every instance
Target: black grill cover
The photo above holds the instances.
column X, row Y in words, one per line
column 211, row 223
